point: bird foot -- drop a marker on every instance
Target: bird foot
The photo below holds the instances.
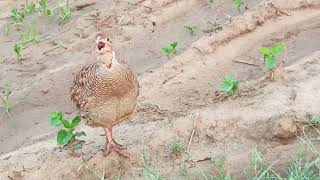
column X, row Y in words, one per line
column 120, row 149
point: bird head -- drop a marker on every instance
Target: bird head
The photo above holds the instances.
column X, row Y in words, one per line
column 104, row 49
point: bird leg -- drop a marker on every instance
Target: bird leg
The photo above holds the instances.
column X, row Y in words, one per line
column 111, row 144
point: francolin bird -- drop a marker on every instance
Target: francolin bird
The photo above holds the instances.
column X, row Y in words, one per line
column 106, row 92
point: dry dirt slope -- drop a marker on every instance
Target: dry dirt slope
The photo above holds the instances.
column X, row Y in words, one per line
column 264, row 115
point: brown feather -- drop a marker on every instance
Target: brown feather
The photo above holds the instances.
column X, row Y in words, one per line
column 106, row 95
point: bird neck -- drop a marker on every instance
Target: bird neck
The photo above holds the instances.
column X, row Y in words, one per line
column 107, row 58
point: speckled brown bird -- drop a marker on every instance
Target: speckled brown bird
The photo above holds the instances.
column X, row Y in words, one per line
column 106, row 92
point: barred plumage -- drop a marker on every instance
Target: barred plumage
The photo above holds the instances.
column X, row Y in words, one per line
column 106, row 92
column 105, row 95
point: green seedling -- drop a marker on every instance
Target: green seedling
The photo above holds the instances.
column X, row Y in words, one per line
column 184, row 170
column 17, row 48
column 5, row 29
column 6, row 103
column 261, row 169
column 314, row 119
column 31, row 8
column 215, row 26
column 30, row 36
column 210, row 2
column 64, row 11
column 229, row 85
column 176, row 148
column 191, row 29
column 269, row 55
column 43, row 8
column 237, row 4
column 66, row 134
column 149, row 173
column 170, row 49
column 17, row 16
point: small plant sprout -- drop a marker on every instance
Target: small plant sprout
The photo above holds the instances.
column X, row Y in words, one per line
column 210, row 2
column 191, row 29
column 147, row 171
column 215, row 26
column 30, row 35
column 229, row 85
column 43, row 8
column 17, row 16
column 176, row 148
column 6, row 103
column 313, row 119
column 5, row 29
column 237, row 4
column 64, row 10
column 17, row 48
column 184, row 170
column 269, row 55
column 261, row 169
column 31, row 8
column 170, row 49
column 66, row 134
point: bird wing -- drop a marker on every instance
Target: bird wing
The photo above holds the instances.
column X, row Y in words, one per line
column 82, row 90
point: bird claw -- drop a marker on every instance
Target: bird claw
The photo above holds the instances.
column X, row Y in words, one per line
column 120, row 149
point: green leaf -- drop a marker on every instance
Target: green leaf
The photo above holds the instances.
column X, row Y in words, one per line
column 229, row 85
column 55, row 118
column 48, row 12
column 174, row 45
column 65, row 123
column 165, row 51
column 270, row 62
column 265, row 51
column 276, row 49
column 64, row 137
column 75, row 122
column 79, row 134
column 226, row 86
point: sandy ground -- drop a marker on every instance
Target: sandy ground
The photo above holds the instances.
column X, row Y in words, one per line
column 175, row 92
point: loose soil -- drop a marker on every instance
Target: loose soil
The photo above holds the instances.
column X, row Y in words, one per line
column 175, row 92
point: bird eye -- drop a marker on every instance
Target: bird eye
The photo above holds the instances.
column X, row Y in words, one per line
column 108, row 39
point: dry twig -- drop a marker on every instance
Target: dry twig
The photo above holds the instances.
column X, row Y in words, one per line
column 193, row 131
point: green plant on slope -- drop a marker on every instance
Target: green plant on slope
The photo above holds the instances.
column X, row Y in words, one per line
column 17, row 48
column 170, row 48
column 300, row 169
column 190, row 29
column 176, row 148
column 314, row 119
column 215, row 26
column 31, row 8
column 261, row 169
column 229, row 85
column 148, row 172
column 269, row 55
column 66, row 134
column 237, row 4
column 210, row 2
column 16, row 15
column 5, row 29
column 6, row 103
column 217, row 170
column 64, row 11
column 184, row 170
column 30, row 35
column 43, row 8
